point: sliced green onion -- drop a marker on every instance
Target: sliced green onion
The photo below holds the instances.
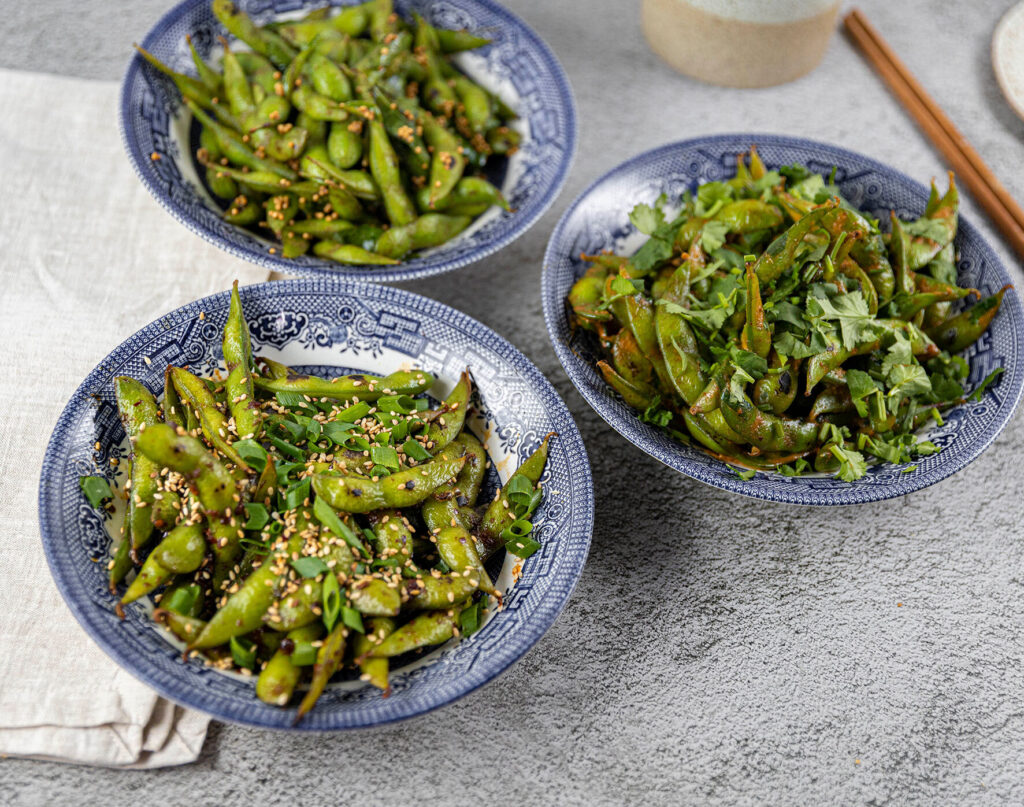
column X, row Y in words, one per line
column 258, row 547
column 338, row 431
column 296, row 494
column 422, row 404
column 519, row 485
column 399, row 431
column 293, row 429
column 182, row 599
column 275, row 529
column 517, row 539
column 385, row 456
column 522, row 496
column 257, row 516
column 331, row 601
column 352, row 619
column 285, row 468
column 314, row 430
column 517, row 529
column 400, row 404
column 309, row 566
column 522, row 547
column 292, row 400
column 380, row 471
column 325, row 515
column 414, row 450
column 356, row 443
column 253, row 453
column 343, row 530
column 243, row 652
column 469, row 619
column 355, row 412
column 96, row 489
column 286, row 448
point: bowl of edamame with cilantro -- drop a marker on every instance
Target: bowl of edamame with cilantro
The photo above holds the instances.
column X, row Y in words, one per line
column 785, row 319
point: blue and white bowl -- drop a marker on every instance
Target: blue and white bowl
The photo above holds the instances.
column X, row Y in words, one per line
column 329, row 327
column 599, row 220
column 517, row 65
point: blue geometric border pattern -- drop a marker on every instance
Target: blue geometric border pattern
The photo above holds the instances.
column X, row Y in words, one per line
column 599, row 219
column 517, row 62
column 353, row 323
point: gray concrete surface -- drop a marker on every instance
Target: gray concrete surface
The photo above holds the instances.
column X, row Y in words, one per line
column 718, row 650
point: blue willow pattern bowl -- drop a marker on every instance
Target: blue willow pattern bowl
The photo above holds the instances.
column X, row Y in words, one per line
column 599, row 220
column 517, row 65
column 329, row 327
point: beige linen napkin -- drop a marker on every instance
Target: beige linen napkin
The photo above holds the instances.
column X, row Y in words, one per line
column 88, row 258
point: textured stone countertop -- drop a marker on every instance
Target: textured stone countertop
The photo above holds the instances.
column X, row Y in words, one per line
column 718, row 650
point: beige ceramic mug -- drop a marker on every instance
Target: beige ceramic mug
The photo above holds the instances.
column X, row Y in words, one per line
column 740, row 43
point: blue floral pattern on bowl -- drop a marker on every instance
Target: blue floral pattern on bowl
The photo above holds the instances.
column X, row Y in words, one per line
column 599, row 219
column 517, row 64
column 325, row 324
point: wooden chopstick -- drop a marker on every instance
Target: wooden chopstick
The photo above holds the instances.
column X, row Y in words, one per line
column 967, row 163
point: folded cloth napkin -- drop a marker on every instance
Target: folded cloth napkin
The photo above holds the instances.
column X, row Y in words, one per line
column 88, row 259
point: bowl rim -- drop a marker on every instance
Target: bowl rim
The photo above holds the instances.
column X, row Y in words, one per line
column 639, row 434
column 408, row 270
column 92, row 617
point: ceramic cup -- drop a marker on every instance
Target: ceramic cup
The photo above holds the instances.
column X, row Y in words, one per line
column 740, row 43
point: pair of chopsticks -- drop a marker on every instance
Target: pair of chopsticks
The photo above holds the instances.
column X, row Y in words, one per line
column 967, row 163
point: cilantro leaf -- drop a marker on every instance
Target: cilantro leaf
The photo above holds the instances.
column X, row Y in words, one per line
column 795, row 173
column 710, row 195
column 648, row 219
column 945, row 388
column 785, row 311
column 769, row 180
column 909, row 380
column 932, row 229
column 751, row 364
column 625, row 287
column 899, row 352
column 808, row 187
column 711, row 318
column 852, row 465
column 979, row 391
column 849, row 310
column 787, row 344
column 658, row 248
column 655, row 415
column 654, row 251
column 860, row 384
column 728, row 258
column 713, row 235
column 890, row 451
column 672, row 308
